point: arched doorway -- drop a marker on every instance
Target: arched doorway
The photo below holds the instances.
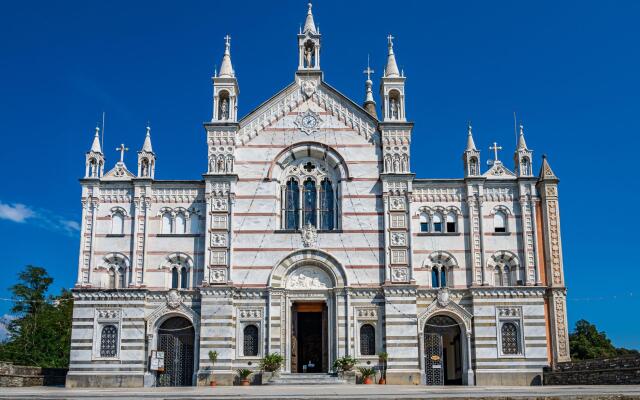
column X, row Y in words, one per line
column 442, row 351
column 176, row 339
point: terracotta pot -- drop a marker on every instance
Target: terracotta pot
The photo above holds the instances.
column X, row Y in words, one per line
column 244, row 382
column 382, row 381
column 367, row 381
column 213, row 383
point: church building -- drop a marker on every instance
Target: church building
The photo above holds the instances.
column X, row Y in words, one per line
column 308, row 235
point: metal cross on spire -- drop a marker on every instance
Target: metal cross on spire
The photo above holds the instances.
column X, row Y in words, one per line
column 122, row 149
column 390, row 38
column 495, row 149
column 368, row 71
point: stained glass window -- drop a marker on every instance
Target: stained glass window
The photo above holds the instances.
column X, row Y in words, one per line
column 184, row 278
column 510, row 343
column 367, row 340
column 292, row 205
column 109, row 341
column 327, row 206
column 174, row 278
column 251, row 340
column 309, row 202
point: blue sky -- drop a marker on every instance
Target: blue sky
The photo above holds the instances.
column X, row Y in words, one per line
column 569, row 69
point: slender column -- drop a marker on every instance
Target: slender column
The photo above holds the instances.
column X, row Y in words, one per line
column 482, row 246
column 347, row 318
column 470, row 374
column 94, row 209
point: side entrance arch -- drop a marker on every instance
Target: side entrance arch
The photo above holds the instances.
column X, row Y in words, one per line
column 442, row 351
column 176, row 337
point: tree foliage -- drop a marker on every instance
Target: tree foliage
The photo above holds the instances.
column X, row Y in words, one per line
column 586, row 343
column 40, row 335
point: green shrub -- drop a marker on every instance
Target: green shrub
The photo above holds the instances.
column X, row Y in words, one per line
column 271, row 362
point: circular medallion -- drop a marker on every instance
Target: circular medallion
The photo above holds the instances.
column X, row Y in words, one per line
column 309, row 121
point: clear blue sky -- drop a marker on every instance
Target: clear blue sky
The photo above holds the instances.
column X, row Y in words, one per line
column 569, row 69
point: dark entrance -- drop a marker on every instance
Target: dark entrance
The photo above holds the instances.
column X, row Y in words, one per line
column 309, row 349
column 442, row 351
column 175, row 339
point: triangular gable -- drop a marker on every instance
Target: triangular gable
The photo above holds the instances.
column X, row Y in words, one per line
column 119, row 173
column 499, row 171
column 306, row 92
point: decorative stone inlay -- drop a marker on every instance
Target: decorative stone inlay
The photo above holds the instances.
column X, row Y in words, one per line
column 309, row 278
column 367, row 313
column 218, row 275
column 509, row 311
column 218, row 240
column 398, row 238
column 173, row 299
column 561, row 327
column 308, row 87
column 399, row 274
column 443, row 297
column 309, row 235
column 219, row 204
column 396, row 203
column 108, row 314
column 251, row 313
column 556, row 265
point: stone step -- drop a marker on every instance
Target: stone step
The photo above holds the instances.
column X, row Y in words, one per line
column 306, row 379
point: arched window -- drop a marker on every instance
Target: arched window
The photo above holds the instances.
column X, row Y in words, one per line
column 117, row 223
column 510, row 338
column 184, row 278
column 112, row 278
column 250, row 347
column 174, row 278
column 500, row 222
column 506, row 276
column 437, row 223
column 497, row 276
column 292, row 205
column 525, row 166
column 435, row 277
column 327, row 206
column 109, row 341
column 473, row 166
column 443, row 277
column 367, row 340
column 424, row 222
column 166, row 222
column 195, row 223
column 451, row 222
column 122, row 277
column 180, row 223
column 309, row 202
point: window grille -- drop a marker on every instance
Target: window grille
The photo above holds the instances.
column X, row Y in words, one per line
column 109, row 341
column 367, row 340
column 510, row 343
column 251, row 341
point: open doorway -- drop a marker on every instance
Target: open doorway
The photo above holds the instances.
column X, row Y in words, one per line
column 309, row 344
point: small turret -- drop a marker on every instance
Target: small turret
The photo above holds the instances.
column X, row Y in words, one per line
column 95, row 158
column 471, row 156
column 392, row 88
column 225, row 89
column 146, row 158
column 523, row 156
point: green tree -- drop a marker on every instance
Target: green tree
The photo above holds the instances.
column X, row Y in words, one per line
column 40, row 335
column 586, row 342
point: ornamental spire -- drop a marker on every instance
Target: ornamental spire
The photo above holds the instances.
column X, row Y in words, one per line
column 369, row 102
column 309, row 24
column 522, row 145
column 146, row 146
column 391, row 71
column 95, row 146
column 471, row 145
column 226, row 69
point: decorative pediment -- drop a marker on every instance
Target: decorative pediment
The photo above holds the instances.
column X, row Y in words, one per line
column 499, row 171
column 445, row 305
column 308, row 98
column 173, row 304
column 119, row 172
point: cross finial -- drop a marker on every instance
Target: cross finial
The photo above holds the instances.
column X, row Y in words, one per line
column 390, row 38
column 495, row 149
column 521, row 128
column 469, row 127
column 227, row 40
column 368, row 71
column 122, row 149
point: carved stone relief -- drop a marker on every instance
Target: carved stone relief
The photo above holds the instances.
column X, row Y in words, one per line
column 218, row 275
column 309, row 235
column 309, row 278
column 399, row 274
column 396, row 203
column 173, row 299
column 398, row 238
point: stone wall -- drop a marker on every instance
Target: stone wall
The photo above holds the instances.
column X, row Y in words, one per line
column 606, row 371
column 19, row 376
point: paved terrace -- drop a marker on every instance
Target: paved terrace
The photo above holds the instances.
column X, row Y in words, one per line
column 364, row 392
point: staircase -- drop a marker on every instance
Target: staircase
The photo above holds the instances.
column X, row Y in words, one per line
column 306, row 379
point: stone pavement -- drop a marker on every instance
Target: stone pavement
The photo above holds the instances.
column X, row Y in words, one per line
column 364, row 392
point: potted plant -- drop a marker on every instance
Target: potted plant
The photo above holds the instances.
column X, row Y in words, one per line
column 271, row 362
column 344, row 364
column 367, row 375
column 213, row 357
column 243, row 374
column 382, row 358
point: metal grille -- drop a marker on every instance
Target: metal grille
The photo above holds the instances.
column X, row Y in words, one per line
column 367, row 340
column 433, row 359
column 178, row 360
column 509, row 338
column 109, row 341
column 250, row 340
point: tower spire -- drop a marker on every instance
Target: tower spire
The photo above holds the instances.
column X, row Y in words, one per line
column 146, row 146
column 369, row 102
column 95, row 146
column 471, row 145
column 391, row 71
column 309, row 24
column 226, row 69
column 522, row 144
column 146, row 158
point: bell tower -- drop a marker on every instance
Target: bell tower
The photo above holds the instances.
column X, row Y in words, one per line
column 309, row 45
